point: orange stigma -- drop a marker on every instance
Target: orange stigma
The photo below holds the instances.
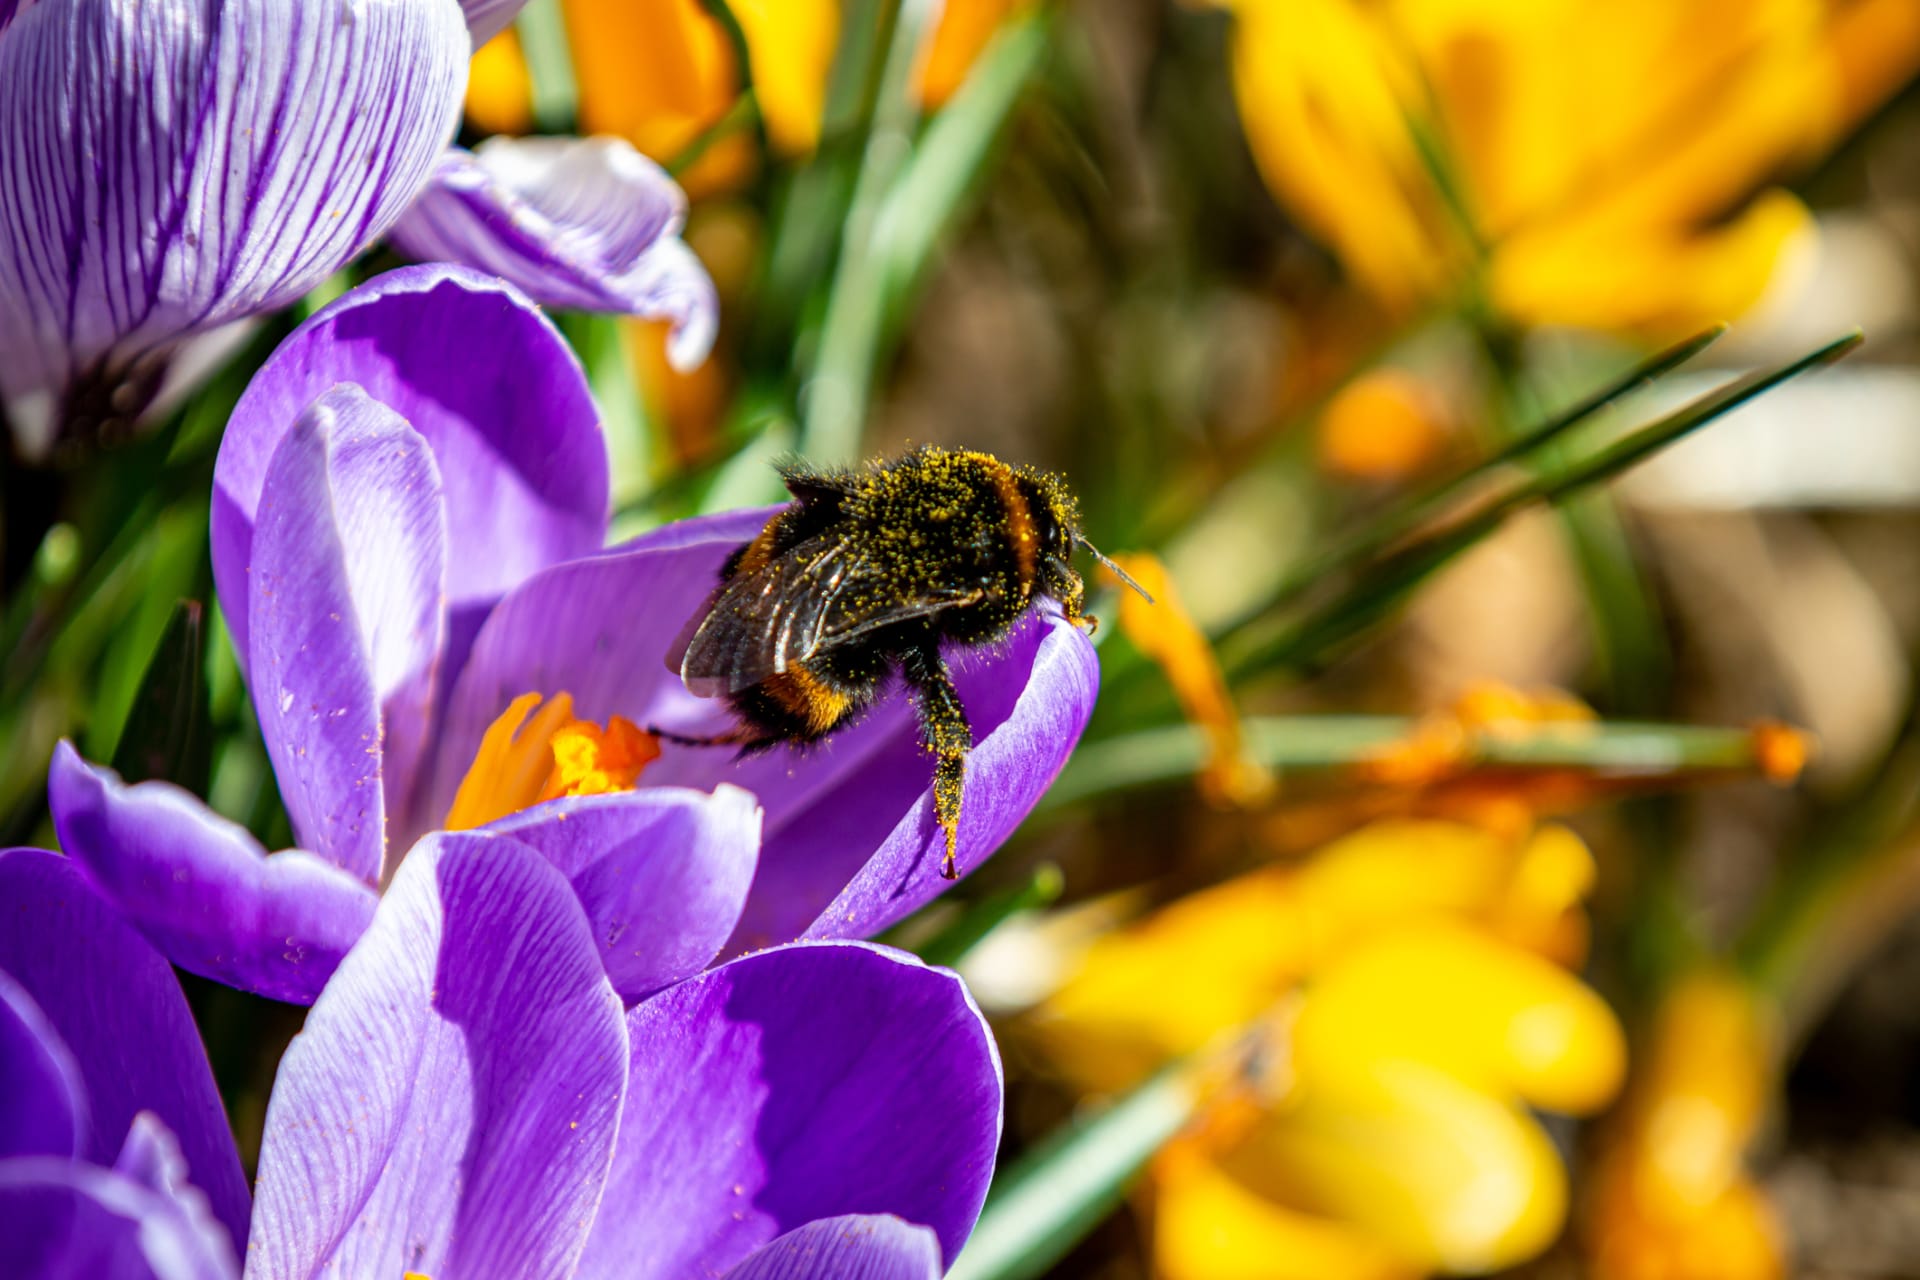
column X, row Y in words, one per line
column 528, row 755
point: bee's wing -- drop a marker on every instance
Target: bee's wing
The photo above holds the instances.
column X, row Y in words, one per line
column 760, row 623
column 822, row 594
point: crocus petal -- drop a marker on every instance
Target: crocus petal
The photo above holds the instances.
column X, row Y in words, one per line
column 584, row 223
column 851, row 844
column 484, row 377
column 119, row 1009
column 43, row 1097
column 151, row 1157
column 796, row 1084
column 1028, row 705
column 59, row 1218
column 488, row 18
column 599, row 629
column 166, row 169
column 662, row 874
column 201, row 888
column 345, row 619
column 451, row 1106
column 854, row 1246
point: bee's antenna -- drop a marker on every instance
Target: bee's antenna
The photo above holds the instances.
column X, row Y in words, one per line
column 1118, row 572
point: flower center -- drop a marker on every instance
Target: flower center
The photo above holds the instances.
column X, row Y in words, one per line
column 529, row 755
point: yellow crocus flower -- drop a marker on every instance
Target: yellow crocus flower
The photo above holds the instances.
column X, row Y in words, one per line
column 1426, row 1019
column 1605, row 161
column 661, row 72
column 1673, row 1200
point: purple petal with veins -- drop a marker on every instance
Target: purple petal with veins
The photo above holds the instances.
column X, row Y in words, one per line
column 583, row 223
column 167, row 168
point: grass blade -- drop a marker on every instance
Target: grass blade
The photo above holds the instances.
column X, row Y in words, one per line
column 1368, row 541
column 1385, row 587
column 1044, row 1204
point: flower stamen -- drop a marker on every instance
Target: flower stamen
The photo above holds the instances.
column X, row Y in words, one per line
column 528, row 755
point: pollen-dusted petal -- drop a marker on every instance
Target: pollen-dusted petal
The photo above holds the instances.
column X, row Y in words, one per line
column 451, row 1105
column 168, row 168
column 849, row 858
column 795, row 1084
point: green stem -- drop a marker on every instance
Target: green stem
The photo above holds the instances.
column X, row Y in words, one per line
column 1629, row 639
column 834, row 400
column 542, row 29
column 1618, row 748
column 812, row 206
column 1042, row 1205
column 965, row 931
column 953, row 151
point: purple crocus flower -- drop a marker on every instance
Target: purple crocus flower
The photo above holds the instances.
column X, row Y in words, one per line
column 409, row 505
column 107, row 1104
column 470, row 1099
column 171, row 167
column 414, row 451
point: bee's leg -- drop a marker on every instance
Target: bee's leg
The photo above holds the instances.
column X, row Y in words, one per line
column 946, row 733
column 1073, row 603
column 731, row 738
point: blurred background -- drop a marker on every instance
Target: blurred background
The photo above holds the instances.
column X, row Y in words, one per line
column 1259, row 278
column 1498, row 852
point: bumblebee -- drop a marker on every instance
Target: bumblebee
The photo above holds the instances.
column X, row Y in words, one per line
column 866, row 574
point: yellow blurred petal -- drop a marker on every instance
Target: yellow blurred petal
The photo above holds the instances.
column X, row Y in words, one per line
column 1408, row 1154
column 1497, row 1018
column 1207, row 1226
column 499, row 90
column 964, row 29
column 1321, row 94
column 656, row 72
column 1704, row 1089
column 1384, row 425
column 1172, row 983
column 1577, row 275
column 1169, row 637
column 1213, row 960
column 1737, row 1236
column 1542, row 909
column 791, row 43
column 1875, row 46
column 688, row 403
column 1388, row 872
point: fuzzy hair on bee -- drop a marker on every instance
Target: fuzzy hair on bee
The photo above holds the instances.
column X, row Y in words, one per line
column 866, row 574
